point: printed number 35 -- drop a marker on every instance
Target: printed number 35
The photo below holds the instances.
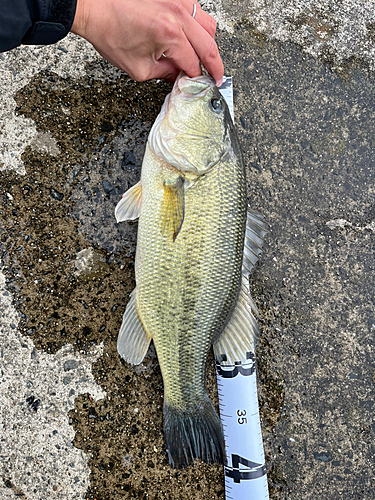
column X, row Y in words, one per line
column 241, row 414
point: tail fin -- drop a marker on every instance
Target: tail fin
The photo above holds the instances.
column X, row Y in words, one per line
column 191, row 434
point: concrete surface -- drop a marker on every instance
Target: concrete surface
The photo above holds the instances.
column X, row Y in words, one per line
column 75, row 421
column 37, row 391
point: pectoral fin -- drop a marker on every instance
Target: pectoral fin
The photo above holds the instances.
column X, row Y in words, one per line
column 240, row 334
column 174, row 206
column 129, row 207
column 132, row 342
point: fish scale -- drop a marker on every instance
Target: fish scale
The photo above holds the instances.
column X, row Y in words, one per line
column 197, row 265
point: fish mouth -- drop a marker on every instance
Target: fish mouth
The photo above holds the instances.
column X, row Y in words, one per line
column 189, row 87
column 167, row 128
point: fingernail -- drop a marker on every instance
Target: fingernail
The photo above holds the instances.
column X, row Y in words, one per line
column 220, row 82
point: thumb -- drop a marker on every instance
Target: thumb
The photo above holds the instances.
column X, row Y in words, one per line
column 166, row 69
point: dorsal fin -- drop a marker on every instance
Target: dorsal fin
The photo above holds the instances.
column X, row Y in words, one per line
column 240, row 334
column 242, row 331
column 256, row 229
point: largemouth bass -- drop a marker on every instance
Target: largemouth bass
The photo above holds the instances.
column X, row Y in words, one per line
column 196, row 242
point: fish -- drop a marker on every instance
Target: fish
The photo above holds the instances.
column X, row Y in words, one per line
column 196, row 243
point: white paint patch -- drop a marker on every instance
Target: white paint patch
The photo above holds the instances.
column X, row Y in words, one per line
column 45, row 143
column 37, row 457
column 334, row 223
column 68, row 58
column 343, row 27
column 84, row 261
column 216, row 10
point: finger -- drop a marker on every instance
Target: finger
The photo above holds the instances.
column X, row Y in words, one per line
column 168, row 71
column 205, row 20
column 205, row 48
column 177, row 47
column 183, row 55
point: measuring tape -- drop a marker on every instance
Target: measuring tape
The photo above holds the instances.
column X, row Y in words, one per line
column 226, row 90
column 245, row 472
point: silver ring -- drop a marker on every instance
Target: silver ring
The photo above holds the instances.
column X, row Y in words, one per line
column 194, row 10
column 163, row 55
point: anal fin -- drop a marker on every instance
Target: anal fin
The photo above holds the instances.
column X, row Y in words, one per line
column 132, row 342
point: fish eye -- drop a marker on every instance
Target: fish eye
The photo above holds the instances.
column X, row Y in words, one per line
column 216, row 105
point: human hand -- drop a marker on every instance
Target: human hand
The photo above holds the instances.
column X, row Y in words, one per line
column 134, row 34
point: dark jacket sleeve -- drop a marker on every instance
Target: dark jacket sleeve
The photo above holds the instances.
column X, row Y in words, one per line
column 34, row 22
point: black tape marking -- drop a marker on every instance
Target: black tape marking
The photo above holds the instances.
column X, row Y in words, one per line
column 238, row 475
column 232, row 371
